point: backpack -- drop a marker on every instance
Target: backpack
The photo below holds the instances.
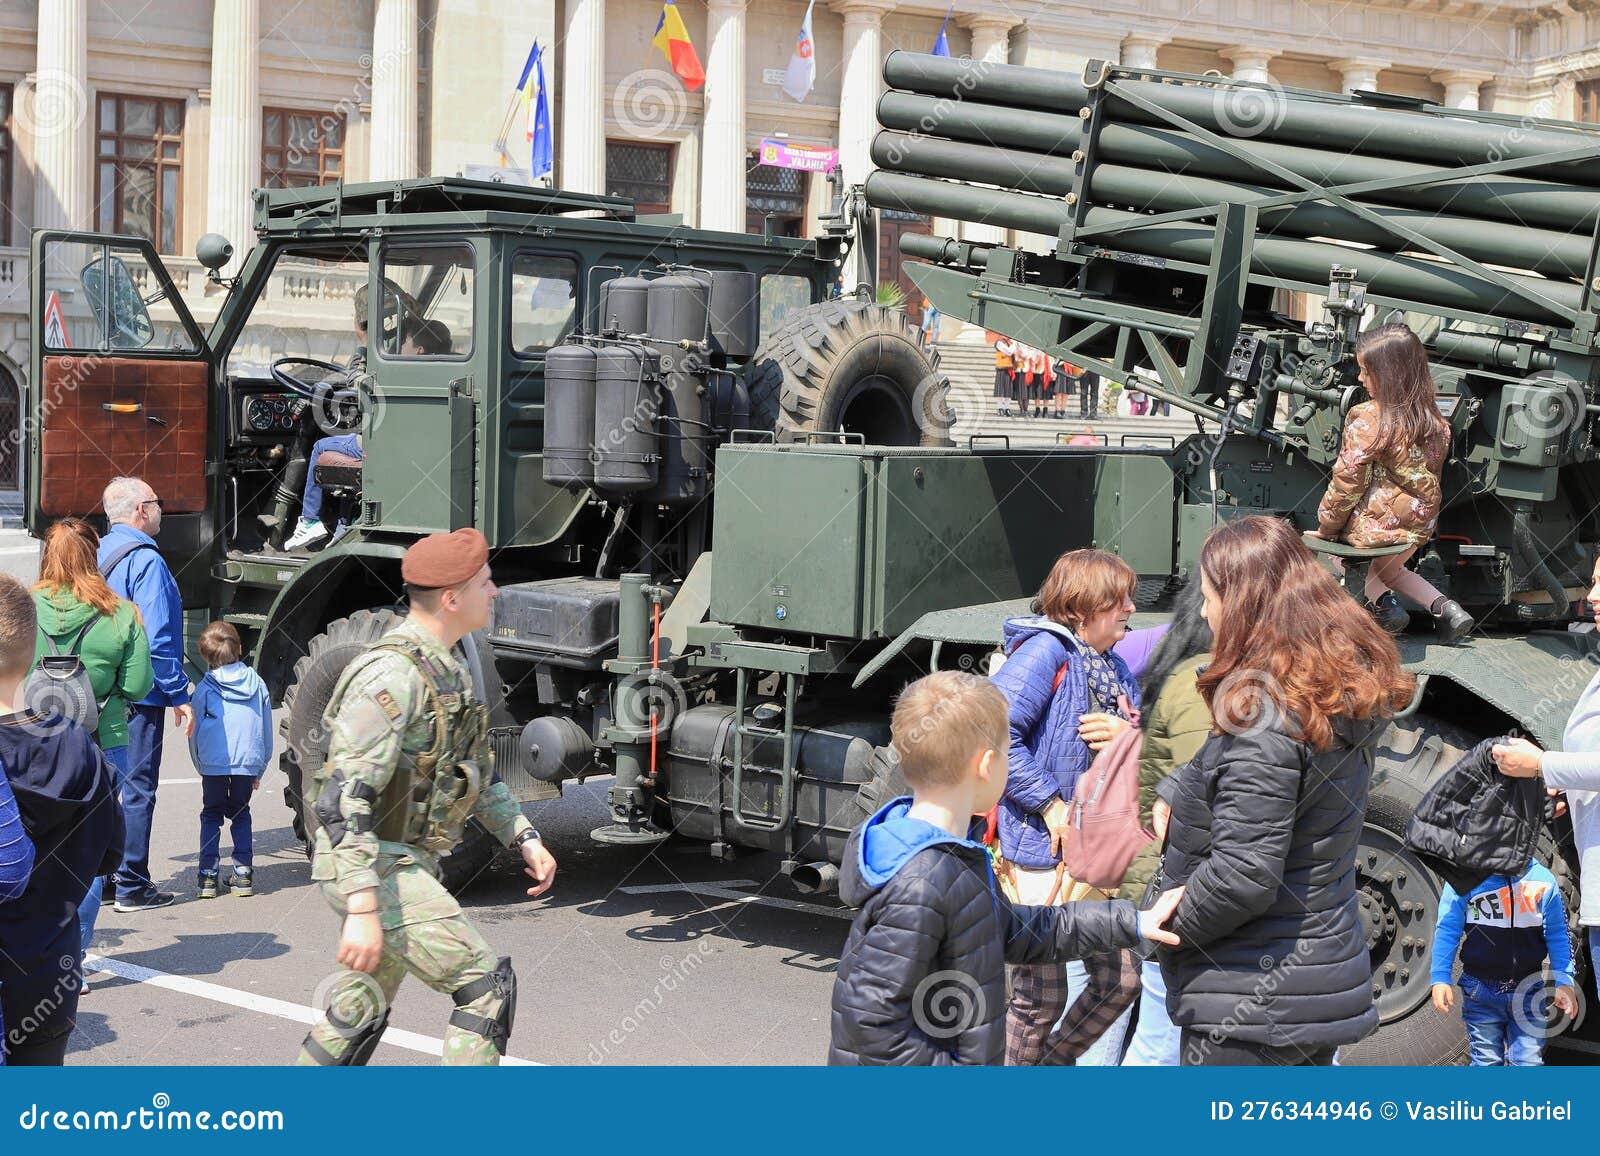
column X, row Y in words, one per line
column 1106, row 834
column 61, row 683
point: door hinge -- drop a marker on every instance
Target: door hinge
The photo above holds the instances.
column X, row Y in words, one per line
column 461, row 387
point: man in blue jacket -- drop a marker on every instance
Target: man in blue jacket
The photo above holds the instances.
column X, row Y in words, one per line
column 136, row 571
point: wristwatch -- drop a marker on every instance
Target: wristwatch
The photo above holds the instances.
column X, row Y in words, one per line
column 526, row 836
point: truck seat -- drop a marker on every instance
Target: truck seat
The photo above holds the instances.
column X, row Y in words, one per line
column 338, row 472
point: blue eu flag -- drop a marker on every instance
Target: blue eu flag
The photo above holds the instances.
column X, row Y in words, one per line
column 941, row 46
column 543, row 159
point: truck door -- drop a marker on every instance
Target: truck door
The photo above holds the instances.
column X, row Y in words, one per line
column 120, row 384
column 420, row 432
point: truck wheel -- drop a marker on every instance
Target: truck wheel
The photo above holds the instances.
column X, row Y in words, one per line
column 305, row 746
column 888, row 782
column 854, row 366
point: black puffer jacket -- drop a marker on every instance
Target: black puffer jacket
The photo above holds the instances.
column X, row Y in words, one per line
column 1263, row 834
column 922, row 976
column 1475, row 822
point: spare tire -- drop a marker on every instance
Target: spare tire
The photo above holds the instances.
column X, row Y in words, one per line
column 850, row 366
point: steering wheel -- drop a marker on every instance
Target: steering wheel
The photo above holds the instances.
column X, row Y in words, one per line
column 296, row 385
column 332, row 399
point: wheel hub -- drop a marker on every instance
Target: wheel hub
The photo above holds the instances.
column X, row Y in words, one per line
column 1399, row 907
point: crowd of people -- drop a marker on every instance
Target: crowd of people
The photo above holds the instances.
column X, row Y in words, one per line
column 1236, row 936
column 1030, row 383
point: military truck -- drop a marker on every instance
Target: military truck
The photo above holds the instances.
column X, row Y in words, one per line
column 701, row 337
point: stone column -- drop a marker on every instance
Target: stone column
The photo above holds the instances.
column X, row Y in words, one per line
column 722, row 199
column 991, row 44
column 1250, row 61
column 1139, row 49
column 234, row 160
column 863, row 82
column 581, row 166
column 62, row 115
column 1461, row 86
column 394, row 90
column 1359, row 73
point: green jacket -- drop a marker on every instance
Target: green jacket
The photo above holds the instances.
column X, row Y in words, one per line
column 115, row 651
column 1176, row 728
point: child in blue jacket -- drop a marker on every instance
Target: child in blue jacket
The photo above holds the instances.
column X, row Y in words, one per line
column 1504, row 929
column 230, row 746
column 16, row 862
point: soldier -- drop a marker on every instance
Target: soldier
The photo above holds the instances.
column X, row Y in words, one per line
column 408, row 764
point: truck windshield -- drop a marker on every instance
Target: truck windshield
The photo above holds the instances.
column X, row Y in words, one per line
column 307, row 309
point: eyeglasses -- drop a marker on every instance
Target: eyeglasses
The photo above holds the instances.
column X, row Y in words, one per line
column 156, row 502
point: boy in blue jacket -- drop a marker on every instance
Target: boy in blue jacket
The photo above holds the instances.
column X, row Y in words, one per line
column 230, row 746
column 1504, row 929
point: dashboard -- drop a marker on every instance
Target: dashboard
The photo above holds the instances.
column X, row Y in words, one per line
column 272, row 416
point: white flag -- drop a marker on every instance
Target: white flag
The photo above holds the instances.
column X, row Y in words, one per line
column 802, row 72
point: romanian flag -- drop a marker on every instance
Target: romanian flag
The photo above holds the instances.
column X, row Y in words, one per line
column 673, row 40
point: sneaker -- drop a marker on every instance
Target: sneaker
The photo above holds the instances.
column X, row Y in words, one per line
column 339, row 531
column 1452, row 622
column 241, row 882
column 208, row 885
column 146, row 902
column 308, row 532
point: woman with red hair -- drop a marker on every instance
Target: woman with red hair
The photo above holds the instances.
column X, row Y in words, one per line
column 1273, row 967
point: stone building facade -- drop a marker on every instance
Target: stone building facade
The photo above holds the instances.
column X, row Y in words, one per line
column 160, row 118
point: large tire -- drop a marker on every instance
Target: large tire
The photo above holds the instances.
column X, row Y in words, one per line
column 851, row 366
column 305, row 746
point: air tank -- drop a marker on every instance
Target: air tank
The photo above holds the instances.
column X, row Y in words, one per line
column 678, row 307
column 569, row 393
column 622, row 305
column 684, row 441
column 625, row 419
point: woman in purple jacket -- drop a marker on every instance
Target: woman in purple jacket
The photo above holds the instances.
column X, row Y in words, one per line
column 1069, row 695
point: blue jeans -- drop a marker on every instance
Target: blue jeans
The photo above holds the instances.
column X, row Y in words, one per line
column 89, row 909
column 311, row 504
column 1103, row 1053
column 225, row 797
column 1156, row 1038
column 146, row 732
column 1499, row 1033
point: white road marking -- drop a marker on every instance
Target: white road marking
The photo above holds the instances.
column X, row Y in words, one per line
column 265, row 1004
column 723, row 889
column 178, row 782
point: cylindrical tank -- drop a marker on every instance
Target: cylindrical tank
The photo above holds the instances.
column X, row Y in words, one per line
column 569, row 379
column 735, row 311
column 679, row 307
column 625, row 413
column 622, row 305
column 685, row 441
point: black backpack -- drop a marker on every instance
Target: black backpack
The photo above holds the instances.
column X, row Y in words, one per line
column 61, row 683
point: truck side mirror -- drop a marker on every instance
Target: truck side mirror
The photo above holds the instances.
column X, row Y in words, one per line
column 117, row 303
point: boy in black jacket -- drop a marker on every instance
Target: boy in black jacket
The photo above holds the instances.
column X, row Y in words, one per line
column 67, row 796
column 922, row 976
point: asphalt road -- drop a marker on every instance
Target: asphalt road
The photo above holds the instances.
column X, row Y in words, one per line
column 635, row 957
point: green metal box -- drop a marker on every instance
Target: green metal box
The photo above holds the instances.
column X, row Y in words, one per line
column 852, row 541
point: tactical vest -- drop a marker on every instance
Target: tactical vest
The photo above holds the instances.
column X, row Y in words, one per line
column 431, row 794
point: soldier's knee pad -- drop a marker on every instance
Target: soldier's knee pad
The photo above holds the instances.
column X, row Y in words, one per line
column 501, row 984
column 363, row 1041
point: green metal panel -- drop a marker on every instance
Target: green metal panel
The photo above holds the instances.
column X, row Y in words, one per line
column 1135, row 510
column 789, row 532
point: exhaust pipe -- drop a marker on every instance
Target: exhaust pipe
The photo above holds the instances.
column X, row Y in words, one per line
column 816, row 878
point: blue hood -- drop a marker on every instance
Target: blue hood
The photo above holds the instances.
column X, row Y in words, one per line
column 1019, row 630
column 236, row 682
column 884, row 844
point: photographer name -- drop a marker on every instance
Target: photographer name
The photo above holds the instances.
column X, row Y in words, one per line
column 1494, row 1110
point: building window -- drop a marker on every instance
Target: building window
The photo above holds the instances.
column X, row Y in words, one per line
column 641, row 172
column 301, row 149
column 775, row 192
column 139, row 155
column 1588, row 95
column 5, row 164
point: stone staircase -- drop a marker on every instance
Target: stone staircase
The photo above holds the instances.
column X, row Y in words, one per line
column 971, row 372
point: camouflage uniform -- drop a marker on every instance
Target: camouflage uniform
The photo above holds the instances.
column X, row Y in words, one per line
column 379, row 834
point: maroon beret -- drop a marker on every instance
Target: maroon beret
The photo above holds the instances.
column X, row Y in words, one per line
column 445, row 559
